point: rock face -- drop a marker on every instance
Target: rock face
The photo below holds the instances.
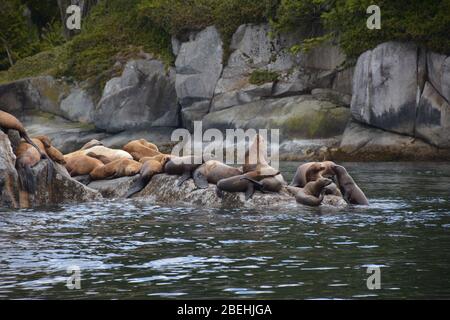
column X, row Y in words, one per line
column 116, row 188
column 163, row 189
column 40, row 93
column 8, row 175
column 78, row 106
column 198, row 67
column 385, row 87
column 391, row 92
column 364, row 143
column 59, row 189
column 144, row 96
column 296, row 117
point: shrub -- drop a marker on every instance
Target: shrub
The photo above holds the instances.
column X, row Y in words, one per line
column 259, row 77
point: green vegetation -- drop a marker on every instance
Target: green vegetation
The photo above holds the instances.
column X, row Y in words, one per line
column 32, row 40
column 259, row 77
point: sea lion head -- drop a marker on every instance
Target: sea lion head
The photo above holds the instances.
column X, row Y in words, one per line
column 45, row 140
column 323, row 182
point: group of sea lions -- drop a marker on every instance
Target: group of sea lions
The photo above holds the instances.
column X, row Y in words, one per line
column 94, row 161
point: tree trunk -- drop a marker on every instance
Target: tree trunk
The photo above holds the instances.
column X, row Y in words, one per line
column 85, row 6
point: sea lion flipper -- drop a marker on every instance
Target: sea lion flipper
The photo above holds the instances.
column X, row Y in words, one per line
column 257, row 183
column 250, row 191
column 200, row 180
column 137, row 186
column 186, row 175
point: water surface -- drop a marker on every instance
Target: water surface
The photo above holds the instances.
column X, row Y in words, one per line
column 135, row 249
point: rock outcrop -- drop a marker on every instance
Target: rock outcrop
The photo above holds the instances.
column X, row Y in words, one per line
column 54, row 187
column 163, row 189
column 144, row 96
column 391, row 92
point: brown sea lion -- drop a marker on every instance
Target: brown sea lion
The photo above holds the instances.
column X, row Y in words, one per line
column 111, row 154
column 90, row 144
column 158, row 157
column 141, row 148
column 148, row 170
column 50, row 150
column 116, row 169
column 211, row 172
column 100, row 157
column 27, row 156
column 350, row 190
column 182, row 166
column 8, row 122
column 246, row 182
column 256, row 154
column 82, row 165
column 307, row 172
column 313, row 192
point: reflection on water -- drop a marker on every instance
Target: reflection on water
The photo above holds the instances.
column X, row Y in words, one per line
column 135, row 249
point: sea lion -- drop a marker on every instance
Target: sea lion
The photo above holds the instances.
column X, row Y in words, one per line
column 255, row 155
column 100, row 157
column 81, row 165
column 8, row 121
column 112, row 154
column 50, row 150
column 90, row 144
column 246, row 182
column 212, row 171
column 27, row 156
column 116, row 169
column 350, row 190
column 141, row 148
column 182, row 166
column 158, row 157
column 148, row 170
column 307, row 172
column 313, row 192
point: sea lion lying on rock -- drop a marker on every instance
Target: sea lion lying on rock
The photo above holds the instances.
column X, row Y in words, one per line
column 111, row 154
column 212, row 171
column 183, row 166
column 141, row 148
column 148, row 170
column 307, row 172
column 90, row 144
column 116, row 169
column 246, row 182
column 312, row 193
column 8, row 122
column 81, row 165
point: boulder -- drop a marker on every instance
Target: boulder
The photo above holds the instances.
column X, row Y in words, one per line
column 67, row 136
column 163, row 189
column 78, row 106
column 52, row 187
column 364, row 143
column 334, row 96
column 144, row 96
column 433, row 118
column 385, row 86
column 8, row 175
column 114, row 188
column 438, row 66
column 198, row 67
column 40, row 93
column 297, row 117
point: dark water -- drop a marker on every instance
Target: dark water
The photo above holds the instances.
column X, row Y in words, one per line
column 132, row 249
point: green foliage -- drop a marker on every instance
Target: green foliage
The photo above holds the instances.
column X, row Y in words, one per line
column 177, row 17
column 424, row 22
column 259, row 77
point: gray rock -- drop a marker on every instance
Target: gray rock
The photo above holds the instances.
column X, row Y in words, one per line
column 57, row 188
column 385, row 87
column 67, row 136
column 325, row 57
column 176, row 45
column 363, row 143
column 198, row 67
column 439, row 73
column 78, row 106
column 40, row 93
column 9, row 187
column 143, row 97
column 296, row 117
column 308, row 149
column 158, row 135
column 194, row 112
column 433, row 118
column 336, row 97
column 163, row 189
column 343, row 81
column 114, row 188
